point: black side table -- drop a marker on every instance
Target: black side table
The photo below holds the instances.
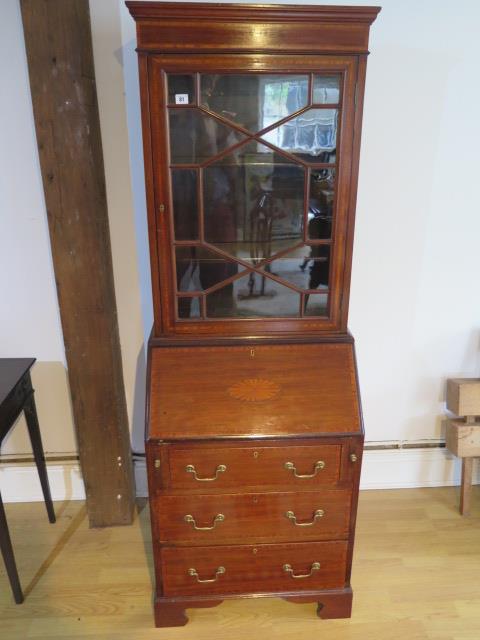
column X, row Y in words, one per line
column 16, row 395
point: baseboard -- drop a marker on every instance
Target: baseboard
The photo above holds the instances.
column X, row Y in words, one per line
column 382, row 469
column 410, row 468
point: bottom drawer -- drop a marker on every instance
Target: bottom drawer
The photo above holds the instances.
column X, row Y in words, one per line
column 253, row 569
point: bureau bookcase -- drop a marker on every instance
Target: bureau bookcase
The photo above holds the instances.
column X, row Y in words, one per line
column 251, row 121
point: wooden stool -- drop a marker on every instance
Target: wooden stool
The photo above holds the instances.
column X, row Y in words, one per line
column 463, row 434
column 16, row 395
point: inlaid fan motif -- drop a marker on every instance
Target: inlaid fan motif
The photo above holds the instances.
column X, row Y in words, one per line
column 254, row 389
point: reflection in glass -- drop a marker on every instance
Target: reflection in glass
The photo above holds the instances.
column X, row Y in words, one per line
column 320, row 205
column 326, row 89
column 312, row 135
column 181, row 89
column 254, row 101
column 253, row 296
column 318, row 263
column 316, row 304
column 185, row 204
column 302, row 268
column 188, row 307
column 253, row 202
column 195, row 137
column 198, row 268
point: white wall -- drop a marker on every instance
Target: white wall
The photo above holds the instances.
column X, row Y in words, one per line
column 415, row 306
column 29, row 318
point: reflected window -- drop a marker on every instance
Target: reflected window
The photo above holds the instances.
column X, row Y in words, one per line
column 312, row 135
column 254, row 101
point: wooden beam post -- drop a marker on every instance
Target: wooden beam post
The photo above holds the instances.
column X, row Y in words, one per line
column 60, row 61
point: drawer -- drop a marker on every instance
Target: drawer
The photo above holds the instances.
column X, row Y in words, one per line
column 214, row 519
column 218, row 468
column 253, row 569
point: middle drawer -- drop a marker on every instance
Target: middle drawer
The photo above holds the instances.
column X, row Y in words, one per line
column 251, row 517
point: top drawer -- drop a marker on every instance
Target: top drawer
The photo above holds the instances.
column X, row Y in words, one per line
column 217, row 468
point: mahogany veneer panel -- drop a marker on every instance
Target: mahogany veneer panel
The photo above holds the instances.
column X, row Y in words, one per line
column 255, row 466
column 282, row 390
column 195, row 27
column 254, row 569
column 253, row 516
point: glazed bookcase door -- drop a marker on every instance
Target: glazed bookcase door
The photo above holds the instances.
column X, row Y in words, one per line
column 254, row 161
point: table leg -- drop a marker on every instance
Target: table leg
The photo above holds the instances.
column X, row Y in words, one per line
column 466, row 488
column 8, row 557
column 36, row 440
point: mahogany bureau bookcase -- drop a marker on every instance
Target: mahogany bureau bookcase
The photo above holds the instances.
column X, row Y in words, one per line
column 251, row 130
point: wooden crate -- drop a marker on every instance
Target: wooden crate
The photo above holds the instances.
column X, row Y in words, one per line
column 463, row 396
column 463, row 439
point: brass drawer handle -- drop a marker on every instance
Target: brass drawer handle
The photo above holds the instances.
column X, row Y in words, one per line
column 319, row 465
column 319, row 513
column 220, row 469
column 191, row 520
column 193, row 572
column 288, row 569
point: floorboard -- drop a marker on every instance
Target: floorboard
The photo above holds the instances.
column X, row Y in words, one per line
column 416, row 576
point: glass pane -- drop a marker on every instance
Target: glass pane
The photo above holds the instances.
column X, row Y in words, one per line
column 181, row 90
column 326, row 89
column 253, row 202
column 320, row 205
column 188, row 307
column 185, row 204
column 253, row 296
column 316, row 304
column 318, row 266
column 195, row 137
column 198, row 268
column 254, row 101
column 312, row 135
column 303, row 267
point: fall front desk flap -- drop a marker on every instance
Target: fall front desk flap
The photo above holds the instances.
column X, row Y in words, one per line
column 261, row 391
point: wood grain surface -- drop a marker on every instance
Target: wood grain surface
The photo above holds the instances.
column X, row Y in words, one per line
column 289, row 28
column 59, row 51
column 189, row 391
column 253, row 518
column 253, row 569
column 254, row 466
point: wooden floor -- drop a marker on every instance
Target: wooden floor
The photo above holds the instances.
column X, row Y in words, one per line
column 416, row 576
